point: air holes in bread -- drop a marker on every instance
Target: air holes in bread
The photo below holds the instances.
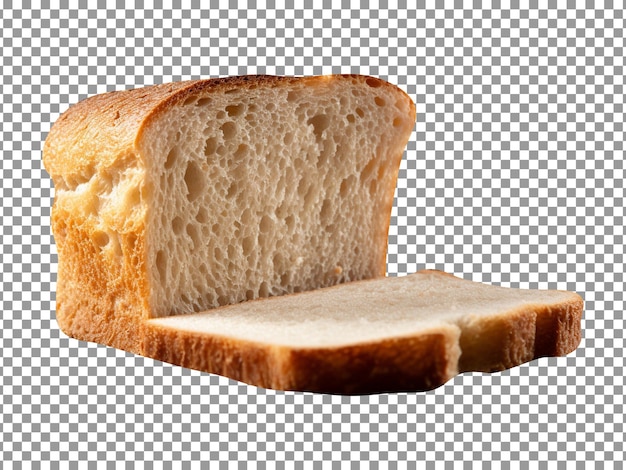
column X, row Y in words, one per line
column 379, row 101
column 309, row 197
column 266, row 224
column 303, row 185
column 210, row 146
column 232, row 190
column 373, row 82
column 161, row 262
column 218, row 255
column 368, row 170
column 290, row 220
column 172, row 156
column 235, row 110
column 246, row 217
column 209, row 297
column 177, row 225
column 241, row 152
column 77, row 179
column 202, row 216
column 133, row 197
column 100, row 239
column 360, row 112
column 346, row 186
column 397, row 122
column 232, row 252
column 264, row 290
column 192, row 231
column 319, row 122
column 229, row 130
column 326, row 212
column 248, row 245
column 278, row 262
column 194, row 179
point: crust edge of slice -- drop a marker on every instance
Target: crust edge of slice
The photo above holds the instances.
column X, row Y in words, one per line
column 417, row 362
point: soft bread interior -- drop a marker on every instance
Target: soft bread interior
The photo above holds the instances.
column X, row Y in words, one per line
column 374, row 310
column 270, row 190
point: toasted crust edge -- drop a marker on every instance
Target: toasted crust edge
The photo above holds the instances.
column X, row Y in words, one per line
column 520, row 336
column 413, row 363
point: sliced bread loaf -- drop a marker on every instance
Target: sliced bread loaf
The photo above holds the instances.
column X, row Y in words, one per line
column 387, row 334
column 183, row 197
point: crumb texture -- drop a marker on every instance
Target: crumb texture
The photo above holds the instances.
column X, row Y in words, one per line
column 271, row 190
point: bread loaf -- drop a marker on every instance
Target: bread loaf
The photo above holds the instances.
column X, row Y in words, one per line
column 179, row 207
column 388, row 334
column 183, row 197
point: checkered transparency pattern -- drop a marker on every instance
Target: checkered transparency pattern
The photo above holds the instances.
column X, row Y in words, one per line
column 514, row 175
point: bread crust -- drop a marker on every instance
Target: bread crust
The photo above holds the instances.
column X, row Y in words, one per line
column 412, row 363
column 115, row 316
column 501, row 342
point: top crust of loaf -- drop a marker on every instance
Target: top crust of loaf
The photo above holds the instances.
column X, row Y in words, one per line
column 119, row 117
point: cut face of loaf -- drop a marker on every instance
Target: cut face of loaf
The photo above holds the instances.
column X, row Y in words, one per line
column 389, row 334
column 184, row 197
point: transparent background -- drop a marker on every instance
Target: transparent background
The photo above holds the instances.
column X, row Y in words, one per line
column 514, row 176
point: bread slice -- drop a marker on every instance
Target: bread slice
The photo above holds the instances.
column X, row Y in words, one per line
column 389, row 334
column 183, row 197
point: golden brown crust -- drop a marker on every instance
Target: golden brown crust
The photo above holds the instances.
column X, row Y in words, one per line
column 246, row 361
column 513, row 338
column 497, row 343
column 558, row 328
column 413, row 363
column 113, row 316
column 101, row 129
